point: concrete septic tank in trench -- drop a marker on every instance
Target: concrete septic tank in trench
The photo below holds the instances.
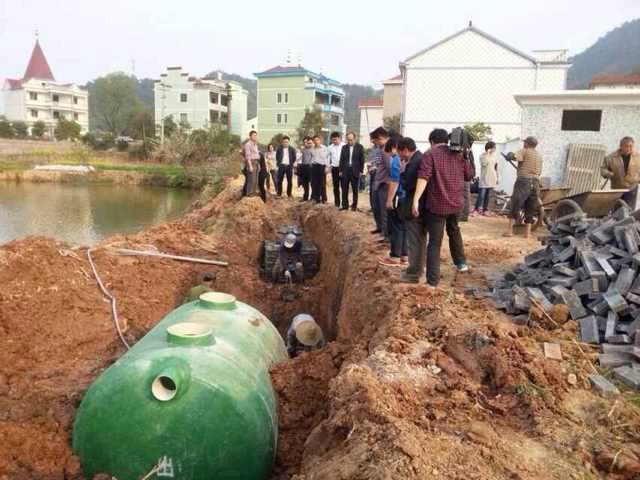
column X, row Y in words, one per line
column 192, row 399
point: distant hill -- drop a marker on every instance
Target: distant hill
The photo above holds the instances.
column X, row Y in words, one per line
column 353, row 95
column 617, row 52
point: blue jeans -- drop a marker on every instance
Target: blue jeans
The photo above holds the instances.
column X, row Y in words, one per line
column 483, row 198
column 397, row 234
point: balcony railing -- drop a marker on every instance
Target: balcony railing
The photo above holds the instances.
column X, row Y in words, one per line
column 326, row 108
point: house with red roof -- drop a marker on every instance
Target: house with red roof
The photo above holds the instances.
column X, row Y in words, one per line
column 38, row 96
column 631, row 80
column 286, row 92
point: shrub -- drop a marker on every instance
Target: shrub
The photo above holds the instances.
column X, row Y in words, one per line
column 20, row 129
column 6, row 129
column 38, row 129
column 142, row 150
column 89, row 139
column 67, row 129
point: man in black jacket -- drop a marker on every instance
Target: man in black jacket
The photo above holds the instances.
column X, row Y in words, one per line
column 416, row 227
column 351, row 165
column 285, row 161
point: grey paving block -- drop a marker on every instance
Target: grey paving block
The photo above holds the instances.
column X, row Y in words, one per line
column 589, row 330
column 606, row 267
column 629, row 376
column 572, row 300
column 633, row 298
column 619, row 339
column 612, row 360
column 563, row 281
column 602, row 325
column 618, row 252
column 603, row 386
column 557, row 292
column 521, row 319
column 536, row 257
column 616, row 302
column 625, row 279
column 586, row 287
column 630, row 241
column 563, row 269
column 564, row 255
column 540, row 297
column 610, row 329
column 611, row 348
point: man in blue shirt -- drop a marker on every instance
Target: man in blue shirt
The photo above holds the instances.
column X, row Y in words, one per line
column 395, row 194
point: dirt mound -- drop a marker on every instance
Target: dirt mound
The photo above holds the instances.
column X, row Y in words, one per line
column 416, row 384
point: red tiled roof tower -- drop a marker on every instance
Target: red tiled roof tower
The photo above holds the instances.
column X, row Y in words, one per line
column 38, row 66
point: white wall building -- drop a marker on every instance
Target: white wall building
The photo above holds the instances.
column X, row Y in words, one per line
column 371, row 117
column 37, row 96
column 200, row 102
column 558, row 119
column 471, row 77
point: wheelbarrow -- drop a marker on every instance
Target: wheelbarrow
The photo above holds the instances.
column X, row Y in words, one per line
column 596, row 203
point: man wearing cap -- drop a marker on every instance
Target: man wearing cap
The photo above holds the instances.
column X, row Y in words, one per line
column 304, row 335
column 526, row 190
column 289, row 264
column 622, row 168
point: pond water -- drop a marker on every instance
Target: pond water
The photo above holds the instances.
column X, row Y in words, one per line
column 85, row 214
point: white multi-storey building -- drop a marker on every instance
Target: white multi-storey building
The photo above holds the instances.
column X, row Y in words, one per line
column 38, row 96
column 471, row 77
column 200, row 102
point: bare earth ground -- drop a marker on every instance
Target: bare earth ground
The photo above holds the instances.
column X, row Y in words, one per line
column 417, row 384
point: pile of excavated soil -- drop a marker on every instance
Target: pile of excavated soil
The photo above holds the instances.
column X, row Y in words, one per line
column 415, row 384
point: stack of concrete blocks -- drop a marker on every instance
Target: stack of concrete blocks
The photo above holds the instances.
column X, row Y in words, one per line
column 590, row 265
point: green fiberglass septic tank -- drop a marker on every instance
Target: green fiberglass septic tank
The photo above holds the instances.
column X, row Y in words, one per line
column 191, row 400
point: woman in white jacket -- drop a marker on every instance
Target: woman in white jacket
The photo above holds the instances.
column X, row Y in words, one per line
column 488, row 178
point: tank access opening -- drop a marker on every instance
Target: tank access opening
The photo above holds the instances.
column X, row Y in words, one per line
column 164, row 388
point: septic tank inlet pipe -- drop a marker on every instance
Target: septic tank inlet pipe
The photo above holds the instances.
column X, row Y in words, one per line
column 112, row 299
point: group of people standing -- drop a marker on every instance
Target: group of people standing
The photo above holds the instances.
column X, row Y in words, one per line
column 311, row 165
column 415, row 197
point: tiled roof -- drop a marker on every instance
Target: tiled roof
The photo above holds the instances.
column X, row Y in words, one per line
column 609, row 79
column 38, row 66
column 397, row 78
column 281, row 69
column 14, row 84
column 370, row 102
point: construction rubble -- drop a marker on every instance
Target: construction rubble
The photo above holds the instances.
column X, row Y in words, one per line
column 591, row 266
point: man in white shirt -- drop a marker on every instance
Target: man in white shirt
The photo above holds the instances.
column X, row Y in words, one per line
column 319, row 167
column 251, row 158
column 335, row 149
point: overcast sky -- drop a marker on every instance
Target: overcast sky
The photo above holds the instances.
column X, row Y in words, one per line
column 351, row 41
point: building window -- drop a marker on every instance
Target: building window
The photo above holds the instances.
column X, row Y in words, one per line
column 223, row 117
column 581, row 120
column 184, row 118
column 213, row 116
column 335, row 119
column 279, row 98
column 278, row 118
column 286, row 98
column 75, row 116
column 224, row 100
column 213, row 97
column 33, row 95
column 56, row 115
column 286, row 118
column 55, row 98
column 34, row 113
column 183, row 97
column 75, row 100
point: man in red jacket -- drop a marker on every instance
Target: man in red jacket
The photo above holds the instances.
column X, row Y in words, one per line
column 444, row 171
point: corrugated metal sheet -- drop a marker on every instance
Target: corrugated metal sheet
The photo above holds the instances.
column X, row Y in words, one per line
column 583, row 167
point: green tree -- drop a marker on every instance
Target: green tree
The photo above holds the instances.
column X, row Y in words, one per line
column 67, row 129
column 38, row 129
column 21, row 130
column 6, row 129
column 276, row 140
column 310, row 125
column 170, row 126
column 392, row 124
column 636, row 70
column 479, row 131
column 142, row 124
column 113, row 102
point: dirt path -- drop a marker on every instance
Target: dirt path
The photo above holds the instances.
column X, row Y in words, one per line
column 417, row 384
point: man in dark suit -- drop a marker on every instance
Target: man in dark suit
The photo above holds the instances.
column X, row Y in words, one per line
column 285, row 161
column 351, row 165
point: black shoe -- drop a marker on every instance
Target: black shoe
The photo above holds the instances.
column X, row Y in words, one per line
column 373, row 232
column 354, row 209
column 344, row 208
